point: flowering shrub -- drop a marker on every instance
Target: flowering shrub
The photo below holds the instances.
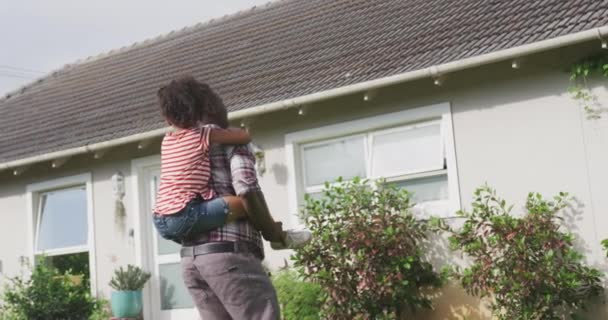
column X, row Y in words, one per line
column 366, row 252
column 527, row 265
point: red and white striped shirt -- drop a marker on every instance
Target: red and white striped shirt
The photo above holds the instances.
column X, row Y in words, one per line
column 185, row 169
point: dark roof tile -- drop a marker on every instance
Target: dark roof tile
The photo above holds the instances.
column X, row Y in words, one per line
column 284, row 50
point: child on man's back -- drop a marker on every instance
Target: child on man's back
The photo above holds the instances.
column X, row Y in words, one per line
column 186, row 204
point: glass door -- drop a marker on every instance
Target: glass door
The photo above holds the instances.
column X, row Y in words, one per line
column 170, row 298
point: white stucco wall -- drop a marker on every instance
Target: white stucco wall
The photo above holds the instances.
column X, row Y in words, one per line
column 114, row 246
column 12, row 229
column 519, row 131
column 525, row 141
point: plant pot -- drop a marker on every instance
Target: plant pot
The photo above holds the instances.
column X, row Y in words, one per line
column 126, row 304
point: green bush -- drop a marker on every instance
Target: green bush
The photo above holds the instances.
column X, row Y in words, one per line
column 605, row 245
column 365, row 252
column 47, row 294
column 526, row 265
column 101, row 310
column 299, row 299
column 7, row 314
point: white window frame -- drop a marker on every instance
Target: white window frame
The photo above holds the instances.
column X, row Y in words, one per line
column 33, row 195
column 396, row 121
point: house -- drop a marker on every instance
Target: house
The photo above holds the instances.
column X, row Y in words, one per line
column 438, row 96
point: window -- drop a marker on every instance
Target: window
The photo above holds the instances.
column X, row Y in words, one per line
column 62, row 220
column 61, row 225
column 412, row 149
column 329, row 160
column 407, row 150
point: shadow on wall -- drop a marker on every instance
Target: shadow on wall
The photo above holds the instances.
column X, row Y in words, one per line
column 279, row 171
column 572, row 215
column 598, row 309
column 572, row 218
column 452, row 303
column 437, row 250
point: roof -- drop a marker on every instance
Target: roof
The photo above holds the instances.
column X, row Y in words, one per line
column 286, row 49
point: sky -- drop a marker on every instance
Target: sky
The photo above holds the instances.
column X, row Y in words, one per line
column 39, row 36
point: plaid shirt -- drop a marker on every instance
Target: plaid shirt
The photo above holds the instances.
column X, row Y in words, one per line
column 233, row 173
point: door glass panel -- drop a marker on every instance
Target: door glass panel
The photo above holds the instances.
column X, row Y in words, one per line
column 426, row 189
column 173, row 293
column 329, row 161
column 414, row 149
column 164, row 246
column 167, row 246
column 172, row 290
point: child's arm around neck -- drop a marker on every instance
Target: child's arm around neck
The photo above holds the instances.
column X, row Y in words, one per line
column 229, row 136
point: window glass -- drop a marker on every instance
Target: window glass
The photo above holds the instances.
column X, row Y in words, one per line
column 329, row 161
column 62, row 219
column 167, row 246
column 426, row 189
column 412, row 150
column 74, row 264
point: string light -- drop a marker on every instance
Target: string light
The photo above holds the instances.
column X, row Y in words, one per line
column 58, row 163
column 438, row 81
column 245, row 125
column 369, row 96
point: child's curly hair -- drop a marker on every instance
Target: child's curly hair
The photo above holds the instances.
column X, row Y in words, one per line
column 186, row 103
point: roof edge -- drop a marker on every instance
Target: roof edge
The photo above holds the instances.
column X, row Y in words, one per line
column 432, row 71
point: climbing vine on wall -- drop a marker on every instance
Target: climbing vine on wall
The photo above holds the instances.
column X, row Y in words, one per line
column 581, row 72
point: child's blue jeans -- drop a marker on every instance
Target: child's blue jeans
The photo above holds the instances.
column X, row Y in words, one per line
column 197, row 217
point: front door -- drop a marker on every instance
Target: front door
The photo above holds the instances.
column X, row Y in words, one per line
column 169, row 298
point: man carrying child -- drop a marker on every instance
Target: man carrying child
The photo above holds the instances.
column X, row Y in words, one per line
column 222, row 265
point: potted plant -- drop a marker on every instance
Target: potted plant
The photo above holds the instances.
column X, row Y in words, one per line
column 126, row 300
